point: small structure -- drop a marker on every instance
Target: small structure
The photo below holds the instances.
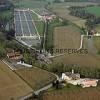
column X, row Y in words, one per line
column 24, row 64
column 13, row 55
column 89, row 83
column 47, row 15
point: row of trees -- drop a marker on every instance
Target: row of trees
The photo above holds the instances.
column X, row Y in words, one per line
column 85, row 71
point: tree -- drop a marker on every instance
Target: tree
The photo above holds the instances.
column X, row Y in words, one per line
column 2, row 52
column 10, row 34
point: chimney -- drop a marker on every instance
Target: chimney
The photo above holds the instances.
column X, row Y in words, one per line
column 72, row 71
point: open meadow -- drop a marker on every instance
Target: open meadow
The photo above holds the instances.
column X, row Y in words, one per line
column 35, row 77
column 11, row 86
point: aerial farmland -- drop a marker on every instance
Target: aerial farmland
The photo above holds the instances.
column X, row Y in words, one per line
column 49, row 50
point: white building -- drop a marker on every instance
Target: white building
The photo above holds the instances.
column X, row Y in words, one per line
column 72, row 78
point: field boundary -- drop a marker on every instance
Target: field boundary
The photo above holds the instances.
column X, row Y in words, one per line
column 82, row 38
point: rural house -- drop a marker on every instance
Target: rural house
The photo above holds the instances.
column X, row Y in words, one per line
column 74, row 79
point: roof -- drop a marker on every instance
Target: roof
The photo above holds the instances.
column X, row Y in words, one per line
column 70, row 74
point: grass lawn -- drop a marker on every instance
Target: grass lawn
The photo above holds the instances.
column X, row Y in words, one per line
column 94, row 10
column 11, row 86
column 36, row 77
column 39, row 24
column 40, row 27
column 34, row 16
column 73, row 93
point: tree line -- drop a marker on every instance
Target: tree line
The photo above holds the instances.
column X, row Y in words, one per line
column 92, row 20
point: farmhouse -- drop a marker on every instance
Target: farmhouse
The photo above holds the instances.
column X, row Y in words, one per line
column 47, row 15
column 72, row 78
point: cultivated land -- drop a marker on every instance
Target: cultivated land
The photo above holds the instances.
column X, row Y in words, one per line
column 94, row 10
column 74, row 93
column 68, row 40
column 79, row 59
column 67, row 37
column 11, row 86
column 36, row 77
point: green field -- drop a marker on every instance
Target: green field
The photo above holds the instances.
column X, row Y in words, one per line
column 94, row 10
